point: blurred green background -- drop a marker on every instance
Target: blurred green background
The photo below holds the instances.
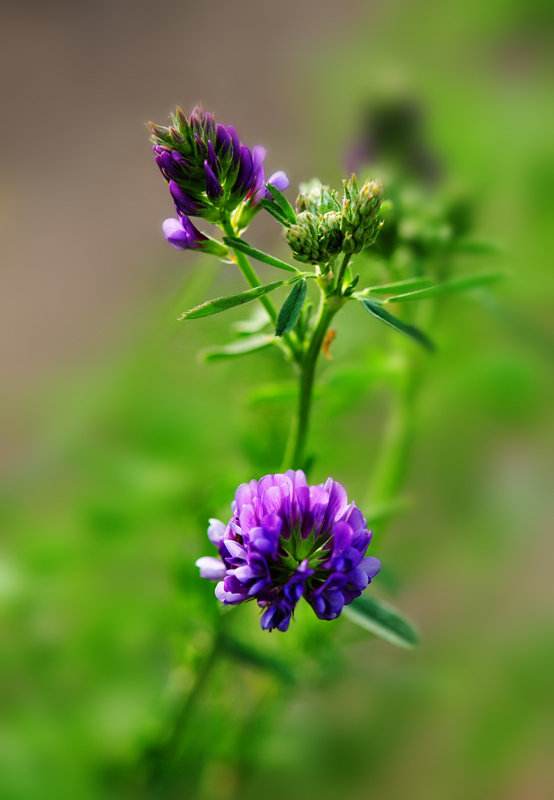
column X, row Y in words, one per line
column 120, row 443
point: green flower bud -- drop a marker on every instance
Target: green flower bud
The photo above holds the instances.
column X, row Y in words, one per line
column 315, row 238
column 317, row 197
column 327, row 225
column 361, row 217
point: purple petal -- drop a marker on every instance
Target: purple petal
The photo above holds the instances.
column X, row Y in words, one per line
column 280, row 180
column 213, row 186
column 245, row 169
column 223, row 138
column 212, row 158
column 371, row 566
column 258, row 155
column 185, row 204
column 176, row 235
column 227, row 597
column 211, row 568
column 216, row 531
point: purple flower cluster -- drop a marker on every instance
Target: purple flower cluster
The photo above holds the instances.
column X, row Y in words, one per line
column 287, row 540
column 208, row 170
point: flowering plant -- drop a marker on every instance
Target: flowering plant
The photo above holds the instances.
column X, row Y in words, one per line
column 287, row 539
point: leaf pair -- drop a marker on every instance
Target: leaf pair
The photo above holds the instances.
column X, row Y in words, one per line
column 417, row 289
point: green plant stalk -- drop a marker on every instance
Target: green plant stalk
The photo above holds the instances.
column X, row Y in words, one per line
column 253, row 280
column 394, row 461
column 392, row 466
column 342, row 270
column 294, row 457
column 180, row 723
column 249, row 272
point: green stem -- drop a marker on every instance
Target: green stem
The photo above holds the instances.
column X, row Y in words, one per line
column 342, row 269
column 391, row 470
column 250, row 273
column 252, row 278
column 180, row 723
column 393, row 464
column 295, row 451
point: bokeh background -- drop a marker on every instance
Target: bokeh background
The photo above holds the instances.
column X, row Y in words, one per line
column 118, row 443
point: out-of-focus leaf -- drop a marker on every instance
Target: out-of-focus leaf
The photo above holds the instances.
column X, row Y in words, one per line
column 291, row 308
column 478, row 247
column 248, row 344
column 398, row 287
column 259, row 255
column 257, row 659
column 382, row 620
column 462, row 284
column 219, row 304
column 255, row 323
column 274, row 392
column 385, row 511
column 376, row 309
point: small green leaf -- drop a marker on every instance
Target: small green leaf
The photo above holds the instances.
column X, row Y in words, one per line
column 219, row 304
column 382, row 620
column 461, row 284
column 376, row 309
column 256, row 659
column 398, row 287
column 291, row 308
column 282, row 202
column 259, row 255
column 276, row 212
column 248, row 344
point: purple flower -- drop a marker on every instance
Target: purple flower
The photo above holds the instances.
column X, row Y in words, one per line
column 287, row 540
column 182, row 234
column 209, row 171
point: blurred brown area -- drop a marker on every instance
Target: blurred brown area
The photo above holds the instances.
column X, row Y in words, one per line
column 80, row 202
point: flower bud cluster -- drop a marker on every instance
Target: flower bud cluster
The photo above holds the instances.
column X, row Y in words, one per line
column 327, row 224
column 360, row 218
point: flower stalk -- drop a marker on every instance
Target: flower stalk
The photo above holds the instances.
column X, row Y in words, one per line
column 295, row 455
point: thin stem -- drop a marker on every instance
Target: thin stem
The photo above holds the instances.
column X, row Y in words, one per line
column 182, row 719
column 342, row 269
column 391, row 470
column 252, row 277
column 250, row 273
column 295, row 451
column 393, row 464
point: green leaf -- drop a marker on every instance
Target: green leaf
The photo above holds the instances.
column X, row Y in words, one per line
column 257, row 659
column 276, row 212
column 219, row 304
column 291, row 308
column 461, row 284
column 382, row 620
column 249, row 344
column 398, row 287
column 376, row 309
column 259, row 255
column 282, row 202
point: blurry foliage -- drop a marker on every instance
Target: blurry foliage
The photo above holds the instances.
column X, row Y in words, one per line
column 104, row 621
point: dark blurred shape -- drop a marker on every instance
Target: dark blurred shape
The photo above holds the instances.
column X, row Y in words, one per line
column 392, row 129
